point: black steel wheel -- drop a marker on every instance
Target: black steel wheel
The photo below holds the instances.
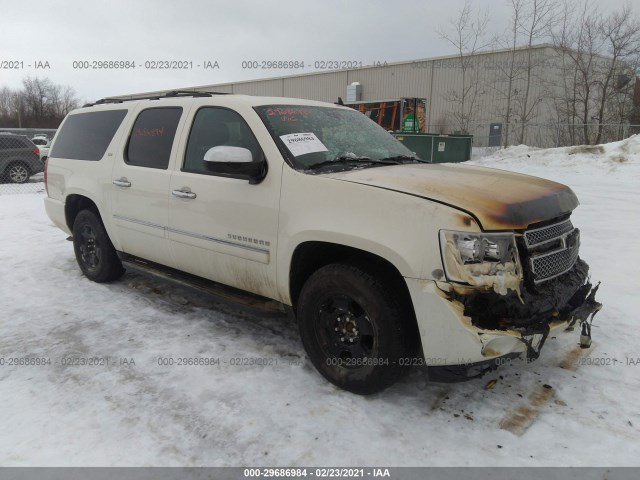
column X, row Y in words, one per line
column 352, row 328
column 94, row 251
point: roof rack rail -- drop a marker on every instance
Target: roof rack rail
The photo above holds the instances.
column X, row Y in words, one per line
column 171, row 94
column 192, row 93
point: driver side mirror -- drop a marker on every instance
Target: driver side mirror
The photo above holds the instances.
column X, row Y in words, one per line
column 235, row 162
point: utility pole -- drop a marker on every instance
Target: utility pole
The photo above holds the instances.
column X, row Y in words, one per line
column 19, row 111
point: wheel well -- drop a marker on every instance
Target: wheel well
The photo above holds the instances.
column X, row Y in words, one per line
column 311, row 256
column 17, row 162
column 74, row 204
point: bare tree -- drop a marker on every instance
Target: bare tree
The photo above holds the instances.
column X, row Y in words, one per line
column 40, row 103
column 6, row 103
column 621, row 35
column 535, row 23
column 36, row 96
column 467, row 34
column 580, row 45
column 510, row 72
column 565, row 94
column 600, row 55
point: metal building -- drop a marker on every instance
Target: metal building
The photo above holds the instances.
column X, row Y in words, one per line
column 467, row 94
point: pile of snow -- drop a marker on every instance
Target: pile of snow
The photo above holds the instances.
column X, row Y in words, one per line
column 284, row 413
column 582, row 159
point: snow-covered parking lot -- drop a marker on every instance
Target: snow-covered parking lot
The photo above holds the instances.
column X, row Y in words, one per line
column 132, row 410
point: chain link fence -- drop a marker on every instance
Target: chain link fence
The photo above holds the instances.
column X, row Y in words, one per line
column 22, row 160
column 35, row 185
column 542, row 135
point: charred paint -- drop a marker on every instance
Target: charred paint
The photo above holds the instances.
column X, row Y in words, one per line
column 556, row 203
column 500, row 277
column 438, row 274
column 464, row 220
column 559, row 300
column 489, row 352
column 496, row 199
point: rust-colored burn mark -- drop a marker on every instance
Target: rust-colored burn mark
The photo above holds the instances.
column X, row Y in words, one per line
column 520, row 419
column 498, row 199
column 465, row 219
column 572, row 359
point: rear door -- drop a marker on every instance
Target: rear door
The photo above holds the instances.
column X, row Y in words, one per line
column 141, row 178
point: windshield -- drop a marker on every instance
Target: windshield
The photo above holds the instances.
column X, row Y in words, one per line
column 320, row 138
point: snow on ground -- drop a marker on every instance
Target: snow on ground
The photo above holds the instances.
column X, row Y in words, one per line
column 285, row 414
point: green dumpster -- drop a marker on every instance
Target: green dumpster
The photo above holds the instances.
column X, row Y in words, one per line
column 436, row 147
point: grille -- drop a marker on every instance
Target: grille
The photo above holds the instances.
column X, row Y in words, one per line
column 546, row 234
column 545, row 264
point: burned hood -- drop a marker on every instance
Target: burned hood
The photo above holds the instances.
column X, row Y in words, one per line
column 498, row 199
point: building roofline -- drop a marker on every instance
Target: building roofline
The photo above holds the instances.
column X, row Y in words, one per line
column 366, row 67
column 212, row 86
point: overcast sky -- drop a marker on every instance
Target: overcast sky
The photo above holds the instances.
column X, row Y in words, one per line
column 231, row 32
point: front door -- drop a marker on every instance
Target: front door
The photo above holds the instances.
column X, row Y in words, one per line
column 223, row 229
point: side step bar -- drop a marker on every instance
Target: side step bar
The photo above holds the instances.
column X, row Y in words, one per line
column 224, row 294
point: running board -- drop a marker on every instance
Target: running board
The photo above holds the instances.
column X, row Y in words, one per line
column 222, row 293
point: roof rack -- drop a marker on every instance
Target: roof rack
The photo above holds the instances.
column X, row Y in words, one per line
column 171, row 94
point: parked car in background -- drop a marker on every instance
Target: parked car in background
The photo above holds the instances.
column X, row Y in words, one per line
column 19, row 158
column 44, row 144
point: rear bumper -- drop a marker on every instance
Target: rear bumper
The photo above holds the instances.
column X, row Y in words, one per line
column 466, row 327
column 35, row 165
column 55, row 211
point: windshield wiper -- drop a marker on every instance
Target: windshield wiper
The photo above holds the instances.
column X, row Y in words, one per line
column 406, row 158
column 349, row 159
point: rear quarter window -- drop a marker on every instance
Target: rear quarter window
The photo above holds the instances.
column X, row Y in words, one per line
column 86, row 136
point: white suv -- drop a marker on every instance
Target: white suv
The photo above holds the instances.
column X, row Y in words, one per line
column 44, row 144
column 385, row 260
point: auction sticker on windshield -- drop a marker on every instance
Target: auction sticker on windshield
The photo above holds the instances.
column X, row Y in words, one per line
column 302, row 143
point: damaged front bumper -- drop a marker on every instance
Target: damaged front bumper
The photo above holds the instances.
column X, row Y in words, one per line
column 465, row 327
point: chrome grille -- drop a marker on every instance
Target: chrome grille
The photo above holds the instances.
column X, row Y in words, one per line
column 552, row 250
column 545, row 234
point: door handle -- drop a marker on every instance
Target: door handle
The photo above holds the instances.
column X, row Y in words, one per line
column 184, row 194
column 121, row 182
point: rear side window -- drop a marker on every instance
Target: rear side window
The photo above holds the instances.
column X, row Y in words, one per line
column 152, row 137
column 86, row 136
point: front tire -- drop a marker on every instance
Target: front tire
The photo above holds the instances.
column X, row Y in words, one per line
column 354, row 331
column 94, row 251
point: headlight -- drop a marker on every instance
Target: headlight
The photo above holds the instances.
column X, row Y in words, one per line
column 481, row 259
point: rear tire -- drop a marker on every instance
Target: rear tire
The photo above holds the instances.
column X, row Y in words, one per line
column 94, row 251
column 18, row 173
column 354, row 331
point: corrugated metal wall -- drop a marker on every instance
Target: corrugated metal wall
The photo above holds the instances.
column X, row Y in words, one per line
column 326, row 87
column 437, row 80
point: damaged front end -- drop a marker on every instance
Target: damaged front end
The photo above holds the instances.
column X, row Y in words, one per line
column 523, row 284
